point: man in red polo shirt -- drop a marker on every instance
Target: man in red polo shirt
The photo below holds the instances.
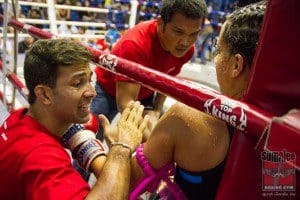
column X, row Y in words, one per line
column 34, row 164
column 163, row 44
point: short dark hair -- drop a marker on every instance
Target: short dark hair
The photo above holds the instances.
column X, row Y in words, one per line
column 45, row 56
column 241, row 32
column 194, row 9
column 242, row 3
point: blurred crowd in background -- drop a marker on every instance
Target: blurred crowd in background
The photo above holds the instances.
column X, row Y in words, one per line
column 116, row 19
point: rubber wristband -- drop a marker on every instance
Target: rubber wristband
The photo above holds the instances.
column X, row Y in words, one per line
column 123, row 145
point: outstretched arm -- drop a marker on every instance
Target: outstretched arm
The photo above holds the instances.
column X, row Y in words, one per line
column 159, row 148
column 154, row 114
column 113, row 180
column 159, row 103
column 126, row 92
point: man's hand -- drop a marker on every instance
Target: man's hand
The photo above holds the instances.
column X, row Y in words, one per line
column 132, row 125
column 110, row 133
column 130, row 128
column 153, row 118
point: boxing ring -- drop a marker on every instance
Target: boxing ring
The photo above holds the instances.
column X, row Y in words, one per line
column 257, row 119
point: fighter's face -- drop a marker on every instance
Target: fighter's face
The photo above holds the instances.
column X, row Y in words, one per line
column 179, row 35
column 72, row 96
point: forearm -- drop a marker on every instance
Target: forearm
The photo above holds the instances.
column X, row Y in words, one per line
column 158, row 151
column 154, row 115
column 157, row 107
column 121, row 102
column 98, row 164
column 113, row 181
column 137, row 173
column 159, row 102
column 125, row 93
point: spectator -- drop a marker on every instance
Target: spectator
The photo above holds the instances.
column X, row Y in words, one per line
column 25, row 44
column 35, row 14
column 112, row 35
column 101, row 44
column 74, row 15
column 62, row 14
column 87, row 16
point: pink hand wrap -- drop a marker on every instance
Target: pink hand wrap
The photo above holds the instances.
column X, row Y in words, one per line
column 151, row 182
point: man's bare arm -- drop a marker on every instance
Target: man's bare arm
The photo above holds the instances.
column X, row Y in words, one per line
column 113, row 181
column 114, row 174
column 125, row 93
column 159, row 102
column 158, row 149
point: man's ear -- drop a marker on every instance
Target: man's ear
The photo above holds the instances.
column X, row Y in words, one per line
column 43, row 94
column 160, row 24
column 238, row 65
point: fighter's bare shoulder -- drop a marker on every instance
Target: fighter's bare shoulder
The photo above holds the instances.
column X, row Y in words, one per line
column 191, row 117
column 196, row 134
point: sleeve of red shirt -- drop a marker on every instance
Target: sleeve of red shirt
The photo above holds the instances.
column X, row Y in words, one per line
column 130, row 51
column 47, row 173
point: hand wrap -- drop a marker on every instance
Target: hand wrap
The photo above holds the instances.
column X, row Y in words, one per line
column 83, row 145
column 87, row 152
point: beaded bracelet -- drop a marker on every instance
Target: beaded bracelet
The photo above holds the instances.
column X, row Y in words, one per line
column 123, row 145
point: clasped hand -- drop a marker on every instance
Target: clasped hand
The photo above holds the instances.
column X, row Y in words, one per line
column 130, row 127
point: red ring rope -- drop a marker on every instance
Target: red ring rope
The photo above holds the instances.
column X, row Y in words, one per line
column 245, row 117
column 16, row 82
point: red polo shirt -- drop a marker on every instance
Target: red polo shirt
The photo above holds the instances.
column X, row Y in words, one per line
column 141, row 45
column 34, row 165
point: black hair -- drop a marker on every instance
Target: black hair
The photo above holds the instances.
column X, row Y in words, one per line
column 241, row 32
column 193, row 9
column 45, row 56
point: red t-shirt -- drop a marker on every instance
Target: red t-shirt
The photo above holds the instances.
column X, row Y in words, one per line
column 140, row 44
column 34, row 165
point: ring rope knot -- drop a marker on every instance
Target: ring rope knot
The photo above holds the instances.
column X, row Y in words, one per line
column 151, row 182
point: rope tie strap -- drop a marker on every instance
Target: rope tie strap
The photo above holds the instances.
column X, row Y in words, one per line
column 151, row 182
